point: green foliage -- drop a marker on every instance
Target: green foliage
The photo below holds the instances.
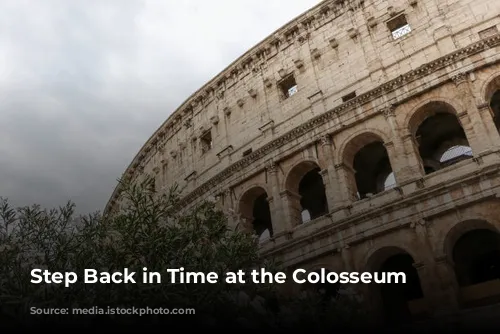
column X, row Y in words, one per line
column 147, row 232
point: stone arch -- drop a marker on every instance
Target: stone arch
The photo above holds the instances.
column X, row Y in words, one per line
column 490, row 85
column 305, row 192
column 418, row 114
column 491, row 94
column 376, row 133
column 368, row 163
column 473, row 247
column 438, row 135
column 377, row 256
column 461, row 228
column 396, row 302
column 253, row 208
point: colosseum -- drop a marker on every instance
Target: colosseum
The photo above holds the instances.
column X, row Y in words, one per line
column 361, row 136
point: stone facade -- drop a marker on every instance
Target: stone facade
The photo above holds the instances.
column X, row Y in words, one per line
column 359, row 133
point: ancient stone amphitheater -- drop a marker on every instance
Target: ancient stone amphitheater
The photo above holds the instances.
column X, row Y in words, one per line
column 361, row 136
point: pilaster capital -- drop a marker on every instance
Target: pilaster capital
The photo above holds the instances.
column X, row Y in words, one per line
column 442, row 260
column 340, row 166
column 459, row 78
column 418, row 222
column 483, row 106
column 389, row 144
column 406, row 136
column 462, row 114
column 271, row 167
column 289, row 194
column 325, row 140
column 389, row 111
column 418, row 265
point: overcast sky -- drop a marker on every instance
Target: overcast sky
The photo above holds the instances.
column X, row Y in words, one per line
column 83, row 84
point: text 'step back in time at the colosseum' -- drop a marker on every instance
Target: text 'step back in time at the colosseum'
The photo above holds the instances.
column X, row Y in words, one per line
column 361, row 136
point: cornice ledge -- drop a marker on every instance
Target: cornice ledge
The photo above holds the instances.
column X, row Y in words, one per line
column 394, row 225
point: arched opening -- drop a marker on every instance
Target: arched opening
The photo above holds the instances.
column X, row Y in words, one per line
column 396, row 297
column 495, row 107
column 476, row 256
column 312, row 194
column 371, row 168
column 254, row 208
column 440, row 138
column 400, row 302
column 306, row 194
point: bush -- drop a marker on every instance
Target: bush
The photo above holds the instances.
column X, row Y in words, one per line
column 147, row 233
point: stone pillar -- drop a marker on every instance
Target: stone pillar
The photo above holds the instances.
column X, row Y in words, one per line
column 348, row 262
column 291, row 209
column 477, row 133
column 336, row 196
column 356, row 291
column 437, row 281
column 217, row 200
column 487, row 116
column 412, row 153
column 402, row 155
column 228, row 208
column 347, row 259
column 278, row 217
column 474, row 141
column 330, row 197
column 448, row 287
column 235, row 220
column 347, row 182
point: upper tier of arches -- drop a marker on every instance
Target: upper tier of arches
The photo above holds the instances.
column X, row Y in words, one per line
column 209, row 117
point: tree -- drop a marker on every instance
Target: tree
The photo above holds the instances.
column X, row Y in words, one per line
column 147, row 233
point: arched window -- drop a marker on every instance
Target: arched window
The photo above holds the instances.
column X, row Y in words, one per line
column 371, row 169
column 306, row 192
column 440, row 138
column 254, row 208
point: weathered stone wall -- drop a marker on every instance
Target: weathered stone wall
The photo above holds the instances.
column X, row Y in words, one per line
column 447, row 65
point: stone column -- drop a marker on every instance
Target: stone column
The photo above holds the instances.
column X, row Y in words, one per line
column 330, row 197
column 347, row 259
column 356, row 291
column 437, row 281
column 412, row 153
column 476, row 132
column 426, row 269
column 404, row 161
column 336, row 196
column 228, row 208
column 243, row 221
column 291, row 209
column 487, row 117
column 278, row 217
column 448, row 287
column 348, row 262
column 347, row 182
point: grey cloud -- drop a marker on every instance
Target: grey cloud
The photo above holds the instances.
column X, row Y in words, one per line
column 84, row 83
